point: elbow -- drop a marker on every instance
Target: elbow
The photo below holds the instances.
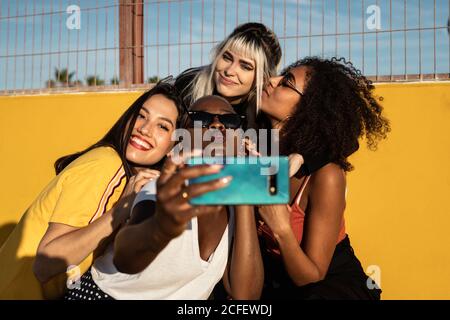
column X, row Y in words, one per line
column 40, row 269
column 124, row 261
column 245, row 294
column 131, row 256
column 251, row 295
column 122, row 266
column 126, row 266
column 45, row 266
column 120, row 259
column 251, row 291
column 312, row 278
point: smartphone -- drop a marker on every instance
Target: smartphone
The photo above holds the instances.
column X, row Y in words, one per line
column 256, row 181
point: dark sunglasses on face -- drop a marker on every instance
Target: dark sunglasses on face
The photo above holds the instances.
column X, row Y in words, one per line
column 229, row 120
column 288, row 81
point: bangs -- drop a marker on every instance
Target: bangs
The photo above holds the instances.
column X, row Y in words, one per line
column 250, row 49
column 243, row 47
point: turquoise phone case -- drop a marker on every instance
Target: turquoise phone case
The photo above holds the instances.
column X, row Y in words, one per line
column 249, row 185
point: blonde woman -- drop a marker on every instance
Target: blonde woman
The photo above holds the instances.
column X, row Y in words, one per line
column 240, row 66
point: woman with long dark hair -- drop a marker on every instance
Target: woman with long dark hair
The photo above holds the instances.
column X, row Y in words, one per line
column 172, row 249
column 89, row 199
column 322, row 107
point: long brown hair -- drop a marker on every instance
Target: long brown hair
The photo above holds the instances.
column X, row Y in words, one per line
column 119, row 135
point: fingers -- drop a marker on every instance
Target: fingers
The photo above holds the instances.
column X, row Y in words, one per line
column 197, row 189
column 177, row 181
column 175, row 162
column 296, row 157
column 180, row 201
column 295, row 162
column 139, row 180
column 261, row 209
column 178, row 204
column 140, row 183
column 168, row 170
column 184, row 155
column 147, row 174
column 250, row 146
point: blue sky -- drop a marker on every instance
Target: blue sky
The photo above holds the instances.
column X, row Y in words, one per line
column 169, row 27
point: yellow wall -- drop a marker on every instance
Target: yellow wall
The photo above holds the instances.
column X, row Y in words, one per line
column 398, row 208
column 398, row 213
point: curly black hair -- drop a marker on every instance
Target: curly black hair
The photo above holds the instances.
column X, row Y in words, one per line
column 338, row 108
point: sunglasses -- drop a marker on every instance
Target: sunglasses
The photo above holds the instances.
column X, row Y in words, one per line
column 288, row 81
column 229, row 120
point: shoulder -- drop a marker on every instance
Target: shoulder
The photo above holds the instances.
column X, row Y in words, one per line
column 186, row 77
column 327, row 191
column 328, row 178
column 191, row 72
column 103, row 155
column 101, row 161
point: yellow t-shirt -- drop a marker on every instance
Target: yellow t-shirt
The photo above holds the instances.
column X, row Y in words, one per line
column 80, row 194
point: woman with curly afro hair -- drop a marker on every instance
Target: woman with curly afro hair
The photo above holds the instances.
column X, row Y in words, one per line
column 322, row 108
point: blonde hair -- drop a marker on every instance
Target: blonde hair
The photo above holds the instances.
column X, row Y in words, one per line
column 203, row 83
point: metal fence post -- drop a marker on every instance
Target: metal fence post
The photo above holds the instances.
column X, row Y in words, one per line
column 131, row 42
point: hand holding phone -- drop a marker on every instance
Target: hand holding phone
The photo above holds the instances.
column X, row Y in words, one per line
column 256, row 181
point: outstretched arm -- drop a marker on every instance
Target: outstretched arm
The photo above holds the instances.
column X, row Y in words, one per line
column 137, row 245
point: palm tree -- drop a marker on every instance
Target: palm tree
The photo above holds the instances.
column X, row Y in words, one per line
column 94, row 81
column 62, row 78
column 115, row 80
column 153, row 79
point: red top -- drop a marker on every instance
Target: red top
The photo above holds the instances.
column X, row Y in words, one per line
column 297, row 221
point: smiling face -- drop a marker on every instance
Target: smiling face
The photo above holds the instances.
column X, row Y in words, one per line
column 234, row 75
column 150, row 139
column 283, row 93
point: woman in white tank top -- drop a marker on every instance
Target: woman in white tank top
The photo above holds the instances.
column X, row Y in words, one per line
column 172, row 250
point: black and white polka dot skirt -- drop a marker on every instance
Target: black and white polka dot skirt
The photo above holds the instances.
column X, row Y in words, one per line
column 86, row 289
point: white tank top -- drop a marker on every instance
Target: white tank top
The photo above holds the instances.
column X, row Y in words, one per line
column 177, row 273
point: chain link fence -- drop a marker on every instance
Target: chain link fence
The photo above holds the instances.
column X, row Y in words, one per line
column 86, row 45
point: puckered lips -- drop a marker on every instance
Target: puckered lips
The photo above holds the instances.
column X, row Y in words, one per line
column 140, row 143
column 267, row 90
